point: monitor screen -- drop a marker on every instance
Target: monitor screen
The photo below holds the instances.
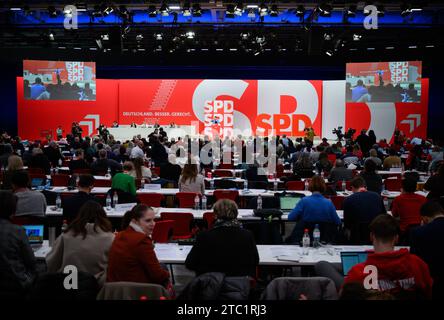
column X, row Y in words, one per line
column 350, row 259
column 59, row 80
column 34, row 233
column 398, row 81
column 37, row 182
column 289, row 203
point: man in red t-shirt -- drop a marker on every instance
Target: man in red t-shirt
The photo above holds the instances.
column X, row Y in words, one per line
column 407, row 205
column 400, row 273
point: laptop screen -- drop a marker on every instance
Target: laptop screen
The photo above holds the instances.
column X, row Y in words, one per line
column 288, row 203
column 350, row 259
column 36, row 182
column 34, row 233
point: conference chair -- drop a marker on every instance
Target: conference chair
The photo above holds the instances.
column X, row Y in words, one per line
column 338, row 201
column 182, row 227
column 124, row 197
column 151, row 199
column 105, row 183
column 329, row 232
column 226, row 166
column 155, row 170
column 36, row 171
column 226, row 194
column 209, row 218
column 82, row 171
column 132, row 291
column 163, row 231
column 393, row 184
column 225, row 184
column 258, row 185
column 295, row 185
column 291, row 288
column 267, row 203
column 37, row 176
column 28, row 220
column 221, row 173
column 59, row 180
column 186, row 199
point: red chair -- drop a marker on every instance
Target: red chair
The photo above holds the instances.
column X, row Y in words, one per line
column 65, row 163
column 27, row 220
column 60, row 180
column 182, row 223
column 332, row 158
column 338, row 201
column 222, row 173
column 226, row 194
column 82, row 171
column 36, row 171
column 295, row 185
column 163, row 231
column 103, row 183
column 156, row 171
column 209, row 218
column 226, row 166
column 151, row 199
column 339, row 185
column 186, row 199
column 393, row 184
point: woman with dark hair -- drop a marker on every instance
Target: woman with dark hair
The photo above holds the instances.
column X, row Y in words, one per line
column 17, row 261
column 373, row 180
column 84, row 244
column 323, row 164
column 435, row 184
column 303, row 167
column 132, row 257
column 190, row 180
column 140, row 171
column 227, row 247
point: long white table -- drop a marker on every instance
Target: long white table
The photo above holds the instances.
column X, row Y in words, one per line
column 271, row 255
column 127, row 133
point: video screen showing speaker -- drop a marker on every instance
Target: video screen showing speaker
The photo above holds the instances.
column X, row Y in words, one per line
column 384, row 81
column 59, row 80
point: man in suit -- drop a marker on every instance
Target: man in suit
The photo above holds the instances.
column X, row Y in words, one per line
column 71, row 205
column 339, row 172
column 426, row 241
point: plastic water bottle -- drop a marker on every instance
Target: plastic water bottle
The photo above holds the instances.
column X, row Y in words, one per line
column 386, row 203
column 212, row 184
column 204, row 202
column 214, row 165
column 60, row 162
column 344, row 185
column 305, row 242
column 108, row 174
column 196, row 202
column 245, row 185
column 115, row 199
column 64, row 225
column 58, row 202
column 275, row 184
column 108, row 202
column 306, row 184
column 316, row 237
column 259, row 202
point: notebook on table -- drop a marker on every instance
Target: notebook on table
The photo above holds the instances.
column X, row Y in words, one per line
column 34, row 233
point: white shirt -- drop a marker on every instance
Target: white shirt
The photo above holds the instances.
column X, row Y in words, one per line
column 136, row 152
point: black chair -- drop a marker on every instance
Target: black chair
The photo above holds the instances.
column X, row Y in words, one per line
column 257, row 185
column 360, row 234
column 329, row 232
column 266, row 232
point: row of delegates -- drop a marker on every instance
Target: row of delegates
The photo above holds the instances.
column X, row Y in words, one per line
column 190, row 179
column 400, row 273
column 17, row 261
column 226, row 248
column 84, row 244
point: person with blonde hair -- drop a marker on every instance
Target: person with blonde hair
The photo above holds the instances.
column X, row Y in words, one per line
column 140, row 171
column 191, row 180
column 227, row 247
column 15, row 163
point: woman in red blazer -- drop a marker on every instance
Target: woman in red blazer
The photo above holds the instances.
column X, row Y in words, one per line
column 132, row 257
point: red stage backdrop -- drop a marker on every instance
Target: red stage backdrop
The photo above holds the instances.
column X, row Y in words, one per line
column 286, row 106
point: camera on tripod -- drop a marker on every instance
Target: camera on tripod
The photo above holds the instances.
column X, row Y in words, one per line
column 338, row 133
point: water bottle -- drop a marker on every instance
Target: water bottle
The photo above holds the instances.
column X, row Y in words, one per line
column 77, row 180
column 386, row 203
column 305, row 242
column 108, row 174
column 58, row 202
column 344, row 185
column 115, row 199
column 306, row 184
column 196, row 202
column 259, row 202
column 316, row 237
column 60, row 162
column 64, row 226
column 322, row 174
column 212, row 184
column 245, row 185
column 108, row 202
column 204, row 202
column 214, row 165
column 275, row 185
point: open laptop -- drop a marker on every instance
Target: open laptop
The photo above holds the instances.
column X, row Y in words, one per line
column 37, row 182
column 288, row 203
column 351, row 258
column 34, row 233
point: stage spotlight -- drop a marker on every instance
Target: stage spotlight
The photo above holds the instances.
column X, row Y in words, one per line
column 263, row 10
column 229, row 13
column 197, row 10
column 186, row 9
column 325, row 9
column 239, row 8
column 300, row 11
column 274, row 12
column 190, row 35
column 152, row 12
column 164, row 10
column 52, row 11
